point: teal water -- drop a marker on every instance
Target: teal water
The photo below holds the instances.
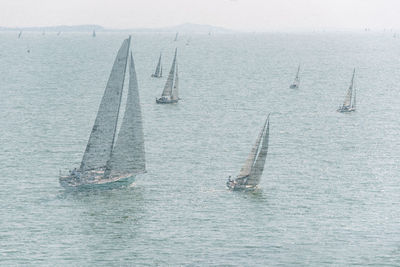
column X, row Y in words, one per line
column 330, row 189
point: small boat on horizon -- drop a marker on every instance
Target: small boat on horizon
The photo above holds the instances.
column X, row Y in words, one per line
column 107, row 161
column 170, row 93
column 20, row 34
column 349, row 104
column 251, row 172
column 296, row 82
column 158, row 71
column 94, row 34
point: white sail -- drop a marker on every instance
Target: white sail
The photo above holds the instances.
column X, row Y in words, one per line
column 101, row 140
column 175, row 90
column 128, row 156
column 259, row 163
column 167, row 92
column 246, row 169
column 347, row 100
column 251, row 172
column 158, row 71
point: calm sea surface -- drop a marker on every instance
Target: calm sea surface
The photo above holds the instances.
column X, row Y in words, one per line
column 330, row 192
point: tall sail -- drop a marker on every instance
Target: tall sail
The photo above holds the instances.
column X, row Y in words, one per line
column 170, row 80
column 158, row 71
column 347, row 100
column 259, row 163
column 297, row 74
column 175, row 89
column 176, row 37
column 101, row 140
column 128, row 154
column 248, row 165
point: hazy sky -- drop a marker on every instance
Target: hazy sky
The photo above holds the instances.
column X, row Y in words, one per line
column 252, row 15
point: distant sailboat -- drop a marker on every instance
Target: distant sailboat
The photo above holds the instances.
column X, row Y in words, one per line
column 106, row 162
column 170, row 93
column 296, row 82
column 176, row 37
column 58, row 33
column 20, row 34
column 94, row 34
column 250, row 174
column 349, row 103
column 158, row 72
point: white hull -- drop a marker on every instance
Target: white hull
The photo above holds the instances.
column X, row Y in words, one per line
column 70, row 182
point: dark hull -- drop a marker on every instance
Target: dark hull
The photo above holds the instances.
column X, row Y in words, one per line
column 162, row 101
column 293, row 86
column 341, row 110
column 155, row 76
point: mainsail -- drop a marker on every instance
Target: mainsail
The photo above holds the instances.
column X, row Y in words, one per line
column 170, row 80
column 347, row 100
column 101, row 140
column 252, row 170
column 158, row 72
column 128, row 153
column 175, row 89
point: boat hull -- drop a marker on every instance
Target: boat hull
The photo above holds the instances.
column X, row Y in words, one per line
column 70, row 182
column 155, row 76
column 166, row 101
column 293, row 86
column 234, row 186
column 341, row 110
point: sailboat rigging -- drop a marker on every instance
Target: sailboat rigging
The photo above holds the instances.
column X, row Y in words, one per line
column 251, row 172
column 108, row 160
column 349, row 103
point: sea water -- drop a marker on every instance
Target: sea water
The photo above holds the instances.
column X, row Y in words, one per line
column 329, row 194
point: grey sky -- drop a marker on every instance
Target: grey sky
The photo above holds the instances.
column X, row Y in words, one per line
column 252, row 15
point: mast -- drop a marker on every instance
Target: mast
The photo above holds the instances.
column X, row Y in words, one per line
column 128, row 155
column 101, row 140
column 170, row 80
column 176, row 37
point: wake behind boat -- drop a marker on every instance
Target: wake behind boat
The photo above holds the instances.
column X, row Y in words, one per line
column 296, row 82
column 251, row 172
column 170, row 93
column 349, row 103
column 107, row 162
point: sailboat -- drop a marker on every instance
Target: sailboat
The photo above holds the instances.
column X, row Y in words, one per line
column 158, row 72
column 176, row 37
column 94, row 34
column 296, row 82
column 349, row 103
column 250, row 174
column 20, row 34
column 170, row 93
column 106, row 162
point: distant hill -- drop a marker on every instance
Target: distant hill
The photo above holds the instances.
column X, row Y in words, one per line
column 184, row 28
